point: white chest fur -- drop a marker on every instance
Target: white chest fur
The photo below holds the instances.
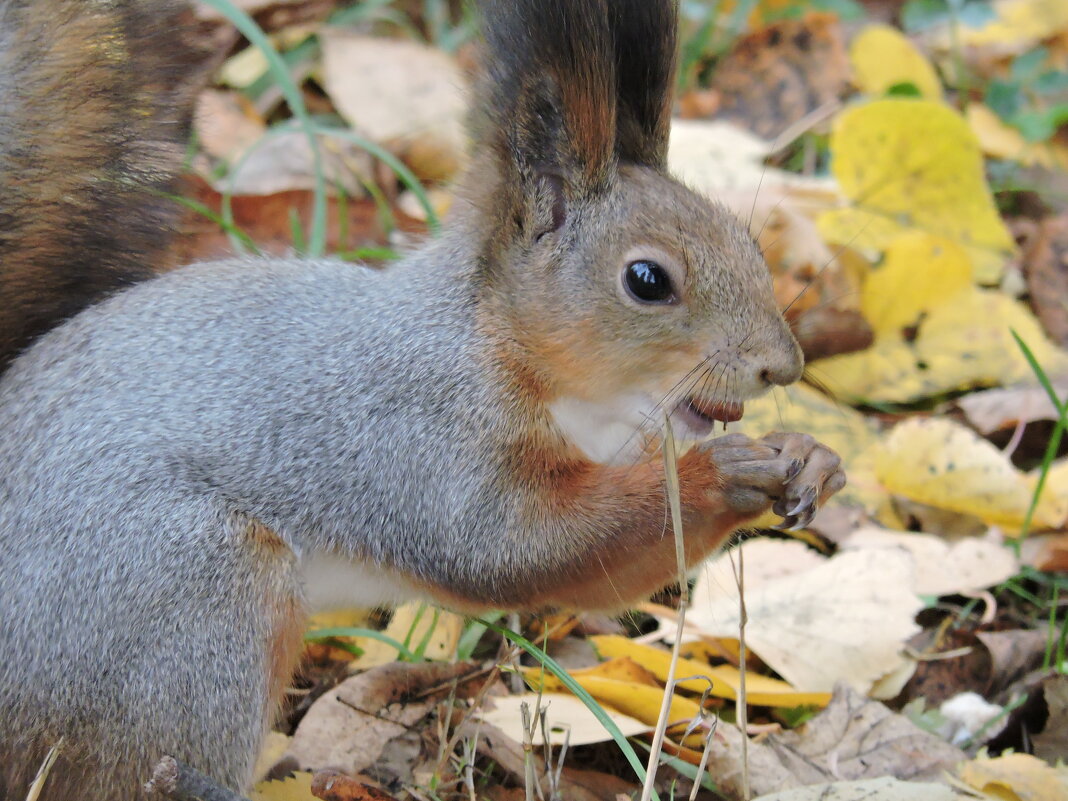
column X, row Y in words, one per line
column 608, row 432
column 334, row 582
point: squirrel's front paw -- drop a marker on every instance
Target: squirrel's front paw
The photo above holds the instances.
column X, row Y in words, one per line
column 791, row 472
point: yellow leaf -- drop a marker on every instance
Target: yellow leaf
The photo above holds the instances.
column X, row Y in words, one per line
column 725, row 679
column 1016, row 777
column 909, row 163
column 1053, row 505
column 1019, row 23
column 940, row 463
column 292, row 788
column 919, row 273
column 1004, row 142
column 964, row 342
column 639, row 701
column 883, row 57
column 621, row 668
column 421, row 627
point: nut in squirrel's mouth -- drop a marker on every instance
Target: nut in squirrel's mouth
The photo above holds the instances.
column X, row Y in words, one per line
column 701, row 415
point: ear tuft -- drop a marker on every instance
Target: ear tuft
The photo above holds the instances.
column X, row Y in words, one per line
column 645, row 35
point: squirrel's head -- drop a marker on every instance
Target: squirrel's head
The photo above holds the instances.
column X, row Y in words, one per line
column 631, row 295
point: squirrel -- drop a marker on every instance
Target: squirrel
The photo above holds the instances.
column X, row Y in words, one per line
column 193, row 459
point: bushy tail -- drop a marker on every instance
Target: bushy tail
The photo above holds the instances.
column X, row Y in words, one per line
column 94, row 114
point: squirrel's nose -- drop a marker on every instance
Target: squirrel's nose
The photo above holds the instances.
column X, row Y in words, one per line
column 785, row 364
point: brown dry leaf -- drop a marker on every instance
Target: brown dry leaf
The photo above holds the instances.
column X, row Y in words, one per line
column 882, row 789
column 942, row 568
column 940, row 463
column 1046, row 270
column 292, row 788
column 566, row 718
column 348, row 728
column 845, row 619
column 1051, row 743
column 853, row 738
column 1016, row 777
column 996, row 409
column 330, row 785
column 407, row 96
column 775, row 76
column 575, row 785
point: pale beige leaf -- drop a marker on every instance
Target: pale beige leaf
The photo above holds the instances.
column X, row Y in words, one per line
column 414, row 623
column 882, row 789
column 1016, row 777
column 402, row 94
column 943, row 568
column 566, row 716
column 994, row 409
column 845, row 619
column 766, row 560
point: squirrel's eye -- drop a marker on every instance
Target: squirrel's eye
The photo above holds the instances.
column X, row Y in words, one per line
column 648, row 282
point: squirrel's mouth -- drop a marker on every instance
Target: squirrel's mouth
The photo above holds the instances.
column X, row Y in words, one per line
column 701, row 415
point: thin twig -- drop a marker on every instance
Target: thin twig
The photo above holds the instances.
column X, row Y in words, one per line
column 42, row 772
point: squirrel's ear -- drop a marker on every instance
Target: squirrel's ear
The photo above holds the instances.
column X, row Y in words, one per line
column 548, row 103
column 645, row 34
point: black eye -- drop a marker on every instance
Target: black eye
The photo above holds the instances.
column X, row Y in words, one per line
column 648, row 282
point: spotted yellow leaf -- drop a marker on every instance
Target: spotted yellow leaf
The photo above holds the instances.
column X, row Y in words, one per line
column 883, row 57
column 962, row 343
column 938, row 462
column 920, row 271
column 908, row 163
column 292, row 788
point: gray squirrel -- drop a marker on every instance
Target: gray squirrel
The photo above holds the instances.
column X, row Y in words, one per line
column 192, row 459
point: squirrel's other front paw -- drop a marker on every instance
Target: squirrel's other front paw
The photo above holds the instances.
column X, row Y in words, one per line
column 791, row 472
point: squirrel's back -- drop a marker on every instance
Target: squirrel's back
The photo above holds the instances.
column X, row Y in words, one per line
column 85, row 162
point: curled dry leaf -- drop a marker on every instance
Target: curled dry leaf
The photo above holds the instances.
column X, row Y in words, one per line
column 852, row 739
column 995, row 409
column 943, row 568
column 401, row 94
column 844, row 619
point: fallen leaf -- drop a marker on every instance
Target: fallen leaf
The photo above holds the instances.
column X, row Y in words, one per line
column 225, row 128
column 1051, row 744
column 962, row 343
column 943, row 568
column 348, row 727
column 885, row 788
column 996, row 409
column 402, row 94
column 292, row 788
column 847, row 618
column 853, row 738
column 723, row 681
column 1016, row 777
column 1046, row 270
column 330, row 785
column 1002, row 141
column 425, row 629
column 1019, row 25
column 905, row 164
column 567, row 718
column 883, row 58
column 941, row 463
column 774, row 76
column 919, row 273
